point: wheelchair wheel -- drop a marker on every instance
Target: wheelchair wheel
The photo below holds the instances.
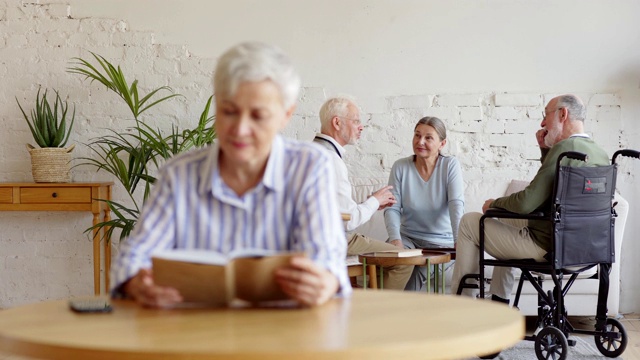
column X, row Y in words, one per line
column 551, row 344
column 609, row 346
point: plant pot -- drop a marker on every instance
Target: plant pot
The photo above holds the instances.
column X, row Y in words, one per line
column 50, row 165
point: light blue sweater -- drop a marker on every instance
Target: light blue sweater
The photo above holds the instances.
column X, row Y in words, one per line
column 426, row 210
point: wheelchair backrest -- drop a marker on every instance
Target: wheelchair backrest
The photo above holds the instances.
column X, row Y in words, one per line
column 583, row 215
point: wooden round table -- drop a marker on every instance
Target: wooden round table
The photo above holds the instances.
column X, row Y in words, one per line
column 427, row 259
column 450, row 251
column 370, row 325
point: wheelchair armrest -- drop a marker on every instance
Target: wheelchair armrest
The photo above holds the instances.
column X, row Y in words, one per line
column 505, row 214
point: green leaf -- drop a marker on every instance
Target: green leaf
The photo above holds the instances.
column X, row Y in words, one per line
column 48, row 126
column 133, row 156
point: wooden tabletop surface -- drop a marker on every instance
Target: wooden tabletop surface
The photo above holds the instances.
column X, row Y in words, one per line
column 369, row 325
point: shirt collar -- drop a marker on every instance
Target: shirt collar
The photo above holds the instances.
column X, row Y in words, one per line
column 272, row 177
column 340, row 148
column 273, row 173
column 580, row 135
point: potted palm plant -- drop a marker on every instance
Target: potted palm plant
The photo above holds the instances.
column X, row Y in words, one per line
column 50, row 130
column 132, row 157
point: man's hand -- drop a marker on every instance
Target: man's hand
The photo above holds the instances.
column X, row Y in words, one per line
column 487, row 204
column 540, row 135
column 144, row 291
column 385, row 197
column 397, row 242
column 307, row 282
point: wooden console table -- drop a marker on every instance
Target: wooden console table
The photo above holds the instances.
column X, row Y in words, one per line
column 65, row 197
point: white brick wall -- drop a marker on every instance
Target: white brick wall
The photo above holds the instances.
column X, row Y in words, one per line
column 47, row 256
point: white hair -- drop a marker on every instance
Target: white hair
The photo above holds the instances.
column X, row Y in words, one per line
column 574, row 105
column 336, row 106
column 254, row 62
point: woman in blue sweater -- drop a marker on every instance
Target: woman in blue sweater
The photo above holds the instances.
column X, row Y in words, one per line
column 430, row 196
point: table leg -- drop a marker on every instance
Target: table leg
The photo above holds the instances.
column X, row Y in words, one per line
column 364, row 271
column 107, row 249
column 372, row 276
column 436, row 279
column 444, row 276
column 381, row 287
column 96, row 255
column 428, row 275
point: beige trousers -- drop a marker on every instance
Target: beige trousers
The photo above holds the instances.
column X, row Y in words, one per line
column 503, row 239
column 394, row 277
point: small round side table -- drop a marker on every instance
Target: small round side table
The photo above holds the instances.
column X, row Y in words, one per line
column 427, row 259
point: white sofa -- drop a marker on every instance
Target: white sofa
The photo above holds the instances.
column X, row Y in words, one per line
column 581, row 299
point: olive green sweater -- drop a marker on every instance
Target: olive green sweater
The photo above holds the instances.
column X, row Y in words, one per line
column 537, row 196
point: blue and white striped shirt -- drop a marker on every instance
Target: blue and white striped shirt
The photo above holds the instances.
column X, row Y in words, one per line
column 292, row 208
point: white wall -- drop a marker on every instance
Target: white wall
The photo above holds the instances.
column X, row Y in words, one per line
column 408, row 47
column 486, row 67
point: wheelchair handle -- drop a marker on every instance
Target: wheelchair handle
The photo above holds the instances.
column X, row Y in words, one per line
column 573, row 155
column 626, row 152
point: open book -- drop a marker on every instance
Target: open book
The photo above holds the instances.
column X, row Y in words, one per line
column 209, row 278
column 352, row 260
column 398, row 253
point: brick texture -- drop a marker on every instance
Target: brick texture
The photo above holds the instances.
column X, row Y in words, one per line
column 47, row 256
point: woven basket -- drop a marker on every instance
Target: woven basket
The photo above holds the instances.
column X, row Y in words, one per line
column 50, row 165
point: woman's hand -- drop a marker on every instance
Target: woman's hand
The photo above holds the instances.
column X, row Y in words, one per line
column 397, row 243
column 307, row 282
column 144, row 291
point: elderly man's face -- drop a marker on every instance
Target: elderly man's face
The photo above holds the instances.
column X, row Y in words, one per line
column 551, row 123
column 351, row 125
column 247, row 122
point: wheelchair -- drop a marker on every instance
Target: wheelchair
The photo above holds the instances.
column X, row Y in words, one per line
column 583, row 220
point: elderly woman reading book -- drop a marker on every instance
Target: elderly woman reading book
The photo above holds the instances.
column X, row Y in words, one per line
column 251, row 189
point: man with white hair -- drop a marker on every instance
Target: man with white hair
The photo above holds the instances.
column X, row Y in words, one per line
column 562, row 129
column 341, row 126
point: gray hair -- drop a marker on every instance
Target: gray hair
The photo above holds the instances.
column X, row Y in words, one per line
column 255, row 61
column 336, row 106
column 574, row 105
column 435, row 123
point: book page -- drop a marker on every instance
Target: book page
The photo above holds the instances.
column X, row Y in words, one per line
column 352, row 260
column 197, row 283
column 255, row 277
column 398, row 253
column 253, row 252
column 197, row 256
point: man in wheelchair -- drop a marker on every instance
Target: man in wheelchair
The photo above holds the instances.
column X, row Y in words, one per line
column 562, row 130
column 561, row 223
